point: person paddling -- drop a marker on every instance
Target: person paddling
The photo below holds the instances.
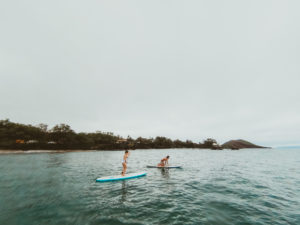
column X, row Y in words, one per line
column 164, row 162
column 124, row 162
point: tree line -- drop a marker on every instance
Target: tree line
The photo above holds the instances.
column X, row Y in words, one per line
column 24, row 137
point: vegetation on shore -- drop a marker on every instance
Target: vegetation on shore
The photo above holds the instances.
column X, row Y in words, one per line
column 24, row 137
column 16, row 136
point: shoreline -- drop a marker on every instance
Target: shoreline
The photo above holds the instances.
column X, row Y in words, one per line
column 3, row 152
column 14, row 151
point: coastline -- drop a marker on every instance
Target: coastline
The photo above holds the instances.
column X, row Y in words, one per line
column 4, row 152
column 15, row 151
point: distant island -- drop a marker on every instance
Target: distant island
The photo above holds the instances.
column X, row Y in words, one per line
column 16, row 136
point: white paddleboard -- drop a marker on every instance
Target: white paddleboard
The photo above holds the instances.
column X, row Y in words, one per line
column 120, row 177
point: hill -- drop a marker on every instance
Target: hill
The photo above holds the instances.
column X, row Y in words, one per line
column 238, row 144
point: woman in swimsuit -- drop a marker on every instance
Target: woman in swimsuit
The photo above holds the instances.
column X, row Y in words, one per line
column 164, row 162
column 124, row 162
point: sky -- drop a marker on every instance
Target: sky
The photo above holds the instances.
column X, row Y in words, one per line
column 181, row 69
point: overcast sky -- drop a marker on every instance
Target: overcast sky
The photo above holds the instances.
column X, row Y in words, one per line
column 181, row 69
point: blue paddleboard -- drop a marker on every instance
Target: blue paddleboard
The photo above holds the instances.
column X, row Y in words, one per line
column 164, row 167
column 120, row 177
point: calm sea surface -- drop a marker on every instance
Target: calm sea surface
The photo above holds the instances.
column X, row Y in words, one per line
column 255, row 186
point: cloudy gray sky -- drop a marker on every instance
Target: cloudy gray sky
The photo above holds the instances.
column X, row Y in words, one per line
column 182, row 69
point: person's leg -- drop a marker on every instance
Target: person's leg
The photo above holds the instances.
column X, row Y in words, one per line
column 123, row 164
column 124, row 169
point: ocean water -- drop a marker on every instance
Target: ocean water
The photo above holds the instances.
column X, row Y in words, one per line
column 254, row 186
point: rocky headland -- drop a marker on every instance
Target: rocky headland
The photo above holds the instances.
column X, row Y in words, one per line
column 238, row 144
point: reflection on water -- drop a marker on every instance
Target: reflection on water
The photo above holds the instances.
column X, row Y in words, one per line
column 165, row 173
column 123, row 191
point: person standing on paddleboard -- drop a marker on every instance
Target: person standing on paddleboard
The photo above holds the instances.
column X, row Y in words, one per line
column 164, row 161
column 124, row 162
